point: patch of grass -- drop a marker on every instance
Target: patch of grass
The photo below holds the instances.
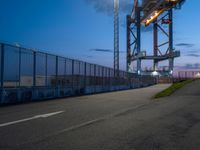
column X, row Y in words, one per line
column 174, row 87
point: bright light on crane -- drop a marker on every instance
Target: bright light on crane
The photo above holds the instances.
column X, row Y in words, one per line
column 155, row 73
column 151, row 13
column 152, row 17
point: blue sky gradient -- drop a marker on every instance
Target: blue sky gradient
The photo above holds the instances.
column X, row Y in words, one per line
column 77, row 28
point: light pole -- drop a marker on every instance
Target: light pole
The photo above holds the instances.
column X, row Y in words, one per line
column 116, row 37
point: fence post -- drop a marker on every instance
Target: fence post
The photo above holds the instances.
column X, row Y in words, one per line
column 34, row 69
column 85, row 75
column 57, row 87
column 79, row 75
column 109, row 74
column 65, row 74
column 90, row 76
column 46, row 65
column 2, row 72
column 95, row 77
column 34, row 74
column 20, row 61
column 103, row 78
column 73, row 75
column 56, row 70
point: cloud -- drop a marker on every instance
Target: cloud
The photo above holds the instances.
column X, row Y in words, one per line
column 187, row 45
column 106, row 6
column 87, row 56
column 102, row 50
column 193, row 55
column 192, row 66
column 188, row 66
column 105, row 50
column 194, row 51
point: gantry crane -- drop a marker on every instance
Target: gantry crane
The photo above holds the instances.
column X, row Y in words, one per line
column 158, row 13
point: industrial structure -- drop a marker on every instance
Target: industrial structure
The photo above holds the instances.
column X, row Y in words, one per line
column 35, row 75
column 160, row 14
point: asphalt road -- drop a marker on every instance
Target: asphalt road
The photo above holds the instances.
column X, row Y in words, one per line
column 125, row 120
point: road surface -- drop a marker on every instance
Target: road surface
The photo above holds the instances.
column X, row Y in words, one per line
column 125, row 120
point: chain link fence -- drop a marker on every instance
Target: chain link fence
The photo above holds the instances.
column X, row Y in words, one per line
column 28, row 75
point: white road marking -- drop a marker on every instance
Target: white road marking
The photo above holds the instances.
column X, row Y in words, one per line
column 31, row 118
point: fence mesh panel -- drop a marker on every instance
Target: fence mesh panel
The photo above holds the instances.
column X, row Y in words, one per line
column 30, row 75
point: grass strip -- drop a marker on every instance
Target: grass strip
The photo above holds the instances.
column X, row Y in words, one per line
column 174, row 87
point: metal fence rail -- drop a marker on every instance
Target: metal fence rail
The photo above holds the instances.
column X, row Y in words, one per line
column 28, row 75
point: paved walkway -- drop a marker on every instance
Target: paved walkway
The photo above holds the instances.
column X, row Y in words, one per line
column 125, row 120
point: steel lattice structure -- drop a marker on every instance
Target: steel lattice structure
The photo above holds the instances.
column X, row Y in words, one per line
column 160, row 14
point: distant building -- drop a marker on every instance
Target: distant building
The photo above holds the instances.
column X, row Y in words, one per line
column 188, row 74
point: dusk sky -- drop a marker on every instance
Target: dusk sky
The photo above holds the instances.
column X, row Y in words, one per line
column 83, row 29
